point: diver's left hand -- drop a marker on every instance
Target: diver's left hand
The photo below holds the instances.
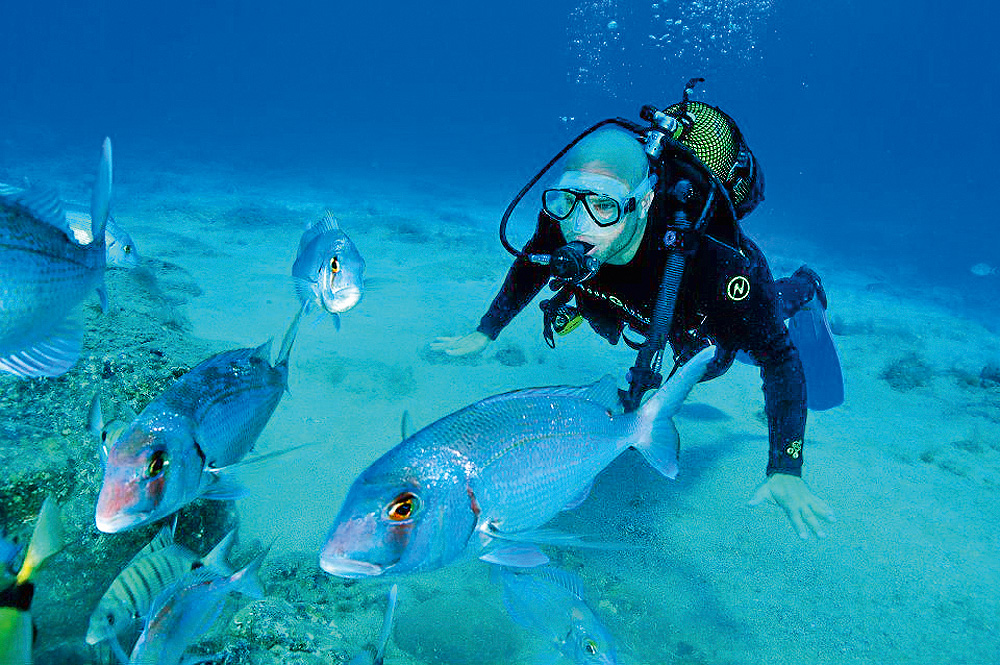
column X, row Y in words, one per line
column 802, row 506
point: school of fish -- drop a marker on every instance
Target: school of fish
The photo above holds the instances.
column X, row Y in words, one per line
column 481, row 482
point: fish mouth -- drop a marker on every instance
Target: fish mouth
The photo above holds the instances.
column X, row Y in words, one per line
column 119, row 521
column 342, row 299
column 349, row 568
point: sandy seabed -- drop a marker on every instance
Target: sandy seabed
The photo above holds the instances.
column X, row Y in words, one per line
column 909, row 573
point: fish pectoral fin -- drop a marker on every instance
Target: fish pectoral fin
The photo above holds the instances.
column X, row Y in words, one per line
column 220, row 487
column 516, row 556
column 51, row 356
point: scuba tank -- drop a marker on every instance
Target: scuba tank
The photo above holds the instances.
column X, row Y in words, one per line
column 704, row 173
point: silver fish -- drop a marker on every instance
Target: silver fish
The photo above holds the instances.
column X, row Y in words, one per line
column 120, row 249
column 159, row 564
column 495, row 471
column 329, row 272
column 185, row 611
column 376, row 654
column 177, row 447
column 550, row 602
column 44, row 274
column 983, row 270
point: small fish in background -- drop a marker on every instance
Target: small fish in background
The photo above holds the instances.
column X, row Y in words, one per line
column 550, row 602
column 45, row 274
column 375, row 654
column 156, row 566
column 180, row 446
column 16, row 629
column 481, row 481
column 329, row 272
column 188, row 609
column 983, row 270
column 106, row 432
column 120, row 249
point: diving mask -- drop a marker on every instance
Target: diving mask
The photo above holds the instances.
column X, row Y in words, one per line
column 604, row 198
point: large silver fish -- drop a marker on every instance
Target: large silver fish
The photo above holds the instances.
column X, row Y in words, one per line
column 550, row 602
column 492, row 473
column 177, row 447
column 45, row 273
column 329, row 272
column 159, row 564
column 184, row 612
column 120, row 250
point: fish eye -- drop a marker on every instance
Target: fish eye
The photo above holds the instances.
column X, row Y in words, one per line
column 335, row 265
column 127, row 249
column 403, row 507
column 157, row 463
column 111, row 619
column 590, row 646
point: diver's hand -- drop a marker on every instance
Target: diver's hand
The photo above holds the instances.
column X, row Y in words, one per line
column 802, row 506
column 474, row 342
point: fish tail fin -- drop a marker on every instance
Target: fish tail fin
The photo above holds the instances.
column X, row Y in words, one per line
column 46, row 540
column 100, row 200
column 657, row 437
column 289, row 339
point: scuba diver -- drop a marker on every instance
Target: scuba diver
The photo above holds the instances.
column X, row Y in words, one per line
column 640, row 232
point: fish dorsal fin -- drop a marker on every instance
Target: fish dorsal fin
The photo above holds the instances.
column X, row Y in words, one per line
column 163, row 539
column 263, row 352
column 43, row 204
column 405, row 425
column 603, row 392
column 218, row 558
column 318, row 228
column 100, row 199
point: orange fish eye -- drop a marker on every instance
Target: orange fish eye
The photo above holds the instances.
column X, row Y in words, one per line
column 335, row 265
column 157, row 463
column 403, row 507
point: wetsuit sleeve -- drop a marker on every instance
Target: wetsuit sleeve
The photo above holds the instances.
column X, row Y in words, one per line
column 781, row 372
column 523, row 282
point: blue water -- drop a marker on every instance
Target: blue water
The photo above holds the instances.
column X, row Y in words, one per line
column 875, row 122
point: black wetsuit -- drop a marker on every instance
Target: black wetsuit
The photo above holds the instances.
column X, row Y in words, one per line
column 727, row 297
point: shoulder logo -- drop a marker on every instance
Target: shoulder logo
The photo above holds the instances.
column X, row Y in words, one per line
column 738, row 288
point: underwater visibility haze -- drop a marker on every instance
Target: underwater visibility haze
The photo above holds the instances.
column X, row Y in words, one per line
column 335, row 175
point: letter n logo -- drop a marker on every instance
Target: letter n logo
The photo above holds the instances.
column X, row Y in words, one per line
column 738, row 288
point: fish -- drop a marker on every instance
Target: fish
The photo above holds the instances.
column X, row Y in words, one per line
column 329, row 271
column 45, row 273
column 375, row 655
column 156, row 566
column 106, row 431
column 179, row 447
column 550, row 602
column 16, row 628
column 492, row 473
column 120, row 250
column 983, row 270
column 186, row 610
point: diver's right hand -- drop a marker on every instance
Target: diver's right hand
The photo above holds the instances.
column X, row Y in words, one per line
column 474, row 342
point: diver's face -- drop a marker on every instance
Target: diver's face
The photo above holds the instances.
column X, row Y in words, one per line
column 598, row 212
